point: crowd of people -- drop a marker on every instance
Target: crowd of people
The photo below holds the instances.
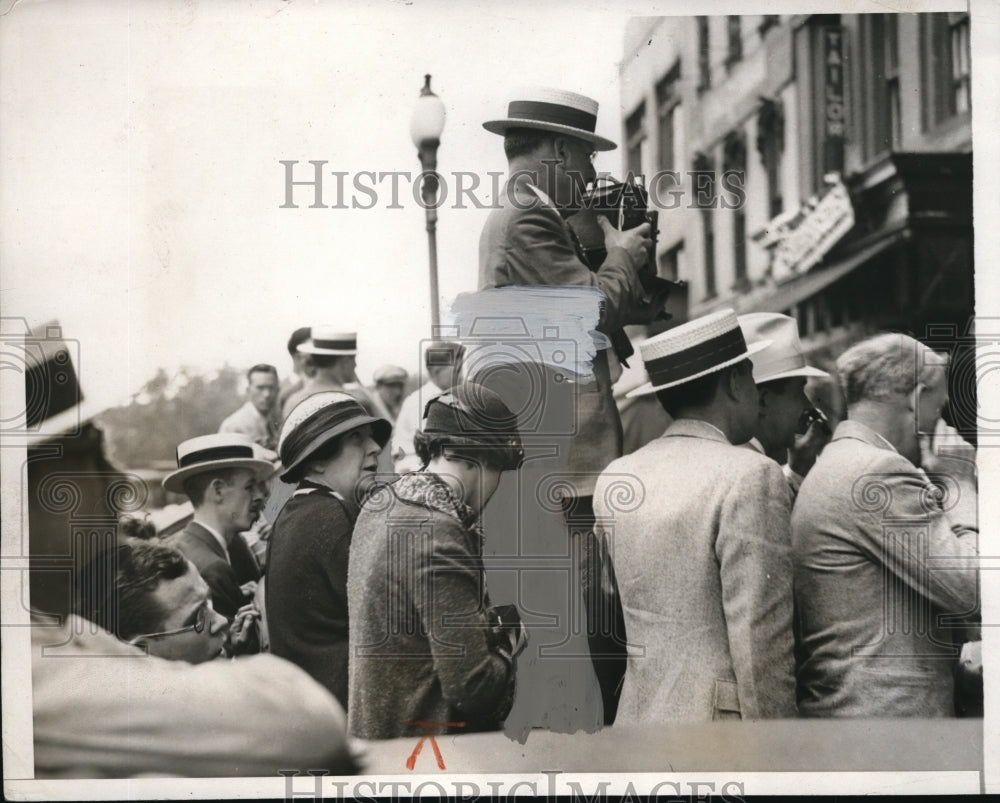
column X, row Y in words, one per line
column 749, row 558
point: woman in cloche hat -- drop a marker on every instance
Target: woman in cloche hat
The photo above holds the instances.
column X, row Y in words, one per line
column 328, row 445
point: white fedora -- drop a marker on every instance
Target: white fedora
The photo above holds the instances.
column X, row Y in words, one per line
column 693, row 350
column 783, row 358
column 554, row 110
column 213, row 452
column 327, row 340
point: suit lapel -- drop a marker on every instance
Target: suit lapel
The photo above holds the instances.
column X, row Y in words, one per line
column 203, row 536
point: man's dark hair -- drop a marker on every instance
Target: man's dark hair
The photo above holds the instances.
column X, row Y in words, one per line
column 299, row 336
column 130, row 526
column 114, row 589
column 428, row 447
column 698, row 392
column 196, row 486
column 523, row 141
column 325, row 360
column 262, row 368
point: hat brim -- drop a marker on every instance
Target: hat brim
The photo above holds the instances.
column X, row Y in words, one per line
column 307, row 348
column 599, row 142
column 381, row 429
column 175, row 480
column 806, row 371
column 646, row 389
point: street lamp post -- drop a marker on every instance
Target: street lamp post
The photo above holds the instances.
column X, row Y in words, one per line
column 426, row 126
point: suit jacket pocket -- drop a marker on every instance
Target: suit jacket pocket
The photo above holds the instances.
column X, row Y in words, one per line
column 727, row 700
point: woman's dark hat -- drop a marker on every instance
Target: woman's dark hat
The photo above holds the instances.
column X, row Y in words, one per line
column 473, row 415
column 317, row 420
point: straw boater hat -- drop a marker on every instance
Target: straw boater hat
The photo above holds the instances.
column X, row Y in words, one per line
column 212, row 453
column 693, row 350
column 327, row 340
column 553, row 110
column 317, row 420
column 784, row 357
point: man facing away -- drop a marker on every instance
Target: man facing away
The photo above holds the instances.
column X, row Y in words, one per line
column 224, row 481
column 700, row 530
column 257, row 418
column 885, row 562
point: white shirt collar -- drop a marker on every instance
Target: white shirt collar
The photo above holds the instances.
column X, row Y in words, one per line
column 217, row 536
column 756, row 444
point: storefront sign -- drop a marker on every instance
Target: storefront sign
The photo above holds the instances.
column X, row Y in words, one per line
column 833, row 68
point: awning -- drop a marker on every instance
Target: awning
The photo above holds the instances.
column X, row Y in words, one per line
column 794, row 291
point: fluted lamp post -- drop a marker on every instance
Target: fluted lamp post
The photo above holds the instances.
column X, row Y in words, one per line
column 426, row 126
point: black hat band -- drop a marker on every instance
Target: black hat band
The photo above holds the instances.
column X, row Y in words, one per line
column 700, row 358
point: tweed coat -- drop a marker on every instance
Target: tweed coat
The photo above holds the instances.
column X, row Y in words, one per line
column 526, row 242
column 223, row 576
column 879, row 566
column 421, row 644
column 306, row 587
column 699, row 530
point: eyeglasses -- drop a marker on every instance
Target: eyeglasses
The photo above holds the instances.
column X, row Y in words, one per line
column 202, row 618
column 811, row 416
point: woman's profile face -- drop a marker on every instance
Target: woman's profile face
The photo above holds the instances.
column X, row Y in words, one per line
column 358, row 455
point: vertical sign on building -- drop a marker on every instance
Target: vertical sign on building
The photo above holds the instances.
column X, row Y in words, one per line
column 833, row 96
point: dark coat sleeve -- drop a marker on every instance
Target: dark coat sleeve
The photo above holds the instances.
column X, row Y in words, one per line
column 477, row 680
column 226, row 595
column 537, row 250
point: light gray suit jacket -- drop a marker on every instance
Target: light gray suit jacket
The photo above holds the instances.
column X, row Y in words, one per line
column 884, row 579
column 699, row 529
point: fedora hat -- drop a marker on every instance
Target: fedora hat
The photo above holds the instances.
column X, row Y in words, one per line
column 553, row 110
column 327, row 340
column 783, row 357
column 317, row 420
column 214, row 452
column 693, row 350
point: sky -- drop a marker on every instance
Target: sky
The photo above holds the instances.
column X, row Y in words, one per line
column 141, row 147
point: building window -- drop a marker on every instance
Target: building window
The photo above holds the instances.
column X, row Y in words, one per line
column 770, row 146
column 672, row 262
column 946, row 73
column 768, row 21
column 961, row 99
column 667, row 100
column 734, row 40
column 735, row 161
column 704, row 55
column 880, row 37
column 703, row 189
column 635, row 134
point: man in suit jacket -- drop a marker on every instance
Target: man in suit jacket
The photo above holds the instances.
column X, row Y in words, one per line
column 885, row 564
column 550, row 143
column 701, row 541
column 223, row 480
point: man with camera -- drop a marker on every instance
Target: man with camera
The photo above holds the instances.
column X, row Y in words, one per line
column 550, row 142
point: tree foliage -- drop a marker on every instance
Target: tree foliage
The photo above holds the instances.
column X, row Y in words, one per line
column 169, row 409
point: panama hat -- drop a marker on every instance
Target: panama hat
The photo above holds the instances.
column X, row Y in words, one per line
column 553, row 110
column 693, row 350
column 327, row 340
column 317, row 420
column 214, row 452
column 784, row 357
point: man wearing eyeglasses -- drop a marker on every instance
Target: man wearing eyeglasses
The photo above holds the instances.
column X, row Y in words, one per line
column 106, row 703
column 151, row 596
